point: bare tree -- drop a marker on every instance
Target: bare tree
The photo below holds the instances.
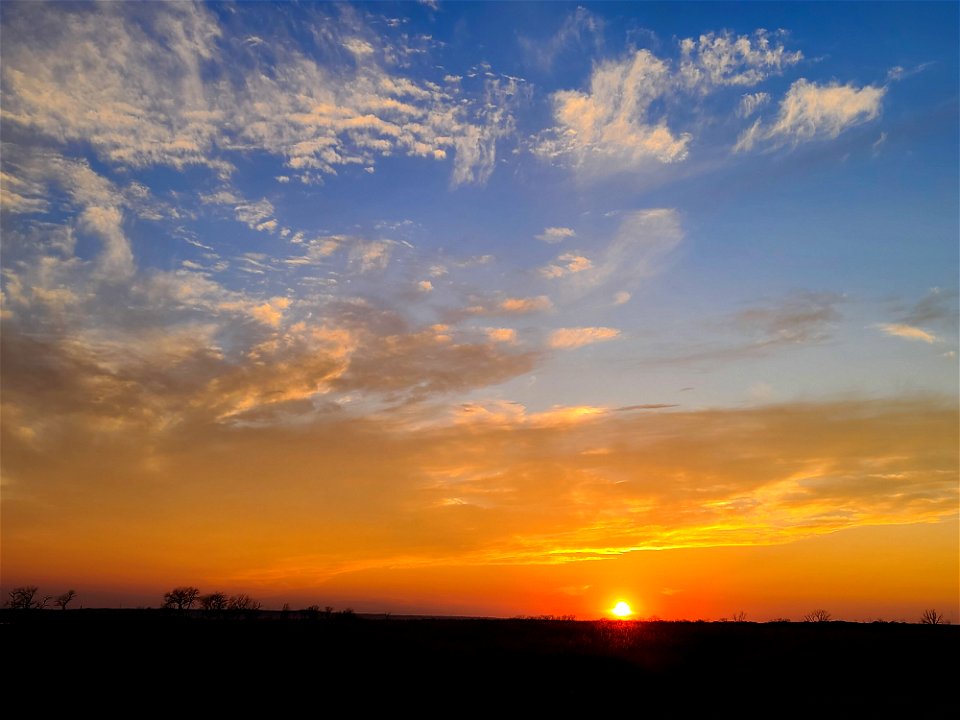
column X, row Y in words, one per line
column 61, row 601
column 739, row 617
column 181, row 598
column 932, row 617
column 214, row 602
column 25, row 598
column 817, row 616
column 244, row 604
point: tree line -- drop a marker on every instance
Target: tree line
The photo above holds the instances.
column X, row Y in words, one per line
column 187, row 597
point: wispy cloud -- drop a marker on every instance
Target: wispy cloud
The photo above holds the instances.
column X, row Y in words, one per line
column 810, row 111
column 614, row 482
column 751, row 102
column 566, row 264
column 908, row 332
column 613, row 122
column 570, row 338
column 639, row 248
column 624, row 121
column 172, row 91
column 717, row 59
column 580, row 29
column 556, row 234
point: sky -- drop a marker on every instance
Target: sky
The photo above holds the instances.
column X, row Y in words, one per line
column 483, row 308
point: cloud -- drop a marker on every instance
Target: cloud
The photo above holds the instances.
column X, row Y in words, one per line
column 810, row 112
column 798, row 319
column 908, row 332
column 938, row 306
column 751, row 102
column 638, row 250
column 116, row 260
column 611, row 122
column 99, row 206
column 577, row 26
column 475, row 144
column 802, row 318
column 570, row 338
column 523, row 305
column 505, row 335
column 256, row 215
column 718, row 59
column 566, row 264
column 371, row 255
column 162, row 85
column 545, row 488
column 21, row 195
column 93, row 74
column 556, row 234
column 623, row 122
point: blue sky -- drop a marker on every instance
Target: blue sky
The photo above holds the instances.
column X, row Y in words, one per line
column 275, row 216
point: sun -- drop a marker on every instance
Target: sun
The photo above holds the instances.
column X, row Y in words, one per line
column 622, row 610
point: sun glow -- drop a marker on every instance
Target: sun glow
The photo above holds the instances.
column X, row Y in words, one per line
column 622, row 610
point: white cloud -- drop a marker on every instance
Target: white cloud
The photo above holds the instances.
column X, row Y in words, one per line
column 90, row 73
column 556, row 234
column 611, row 123
column 475, row 144
column 717, row 59
column 810, row 111
column 256, row 215
column 623, row 122
column 116, row 260
column 21, row 195
column 637, row 251
column 156, row 85
column 621, row 298
column 751, row 102
column 579, row 24
column 569, row 338
column 358, row 46
column 908, row 332
column 371, row 255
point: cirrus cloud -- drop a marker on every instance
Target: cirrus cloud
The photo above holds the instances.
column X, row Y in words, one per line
column 570, row 338
column 810, row 111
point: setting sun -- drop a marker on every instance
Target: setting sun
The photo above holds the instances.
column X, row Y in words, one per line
column 622, row 610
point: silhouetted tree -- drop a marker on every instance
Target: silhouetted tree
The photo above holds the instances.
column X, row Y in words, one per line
column 214, row 602
column 25, row 598
column 817, row 616
column 932, row 617
column 244, row 604
column 61, row 601
column 181, row 598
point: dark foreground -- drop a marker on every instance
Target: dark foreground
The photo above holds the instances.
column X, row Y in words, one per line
column 140, row 662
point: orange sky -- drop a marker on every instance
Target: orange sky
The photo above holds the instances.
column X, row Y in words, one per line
column 502, row 310
column 496, row 511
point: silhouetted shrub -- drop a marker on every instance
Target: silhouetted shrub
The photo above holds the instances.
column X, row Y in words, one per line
column 25, row 598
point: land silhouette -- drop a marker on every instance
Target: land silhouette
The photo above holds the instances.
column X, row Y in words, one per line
column 210, row 653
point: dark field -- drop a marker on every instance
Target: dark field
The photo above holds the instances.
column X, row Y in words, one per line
column 275, row 665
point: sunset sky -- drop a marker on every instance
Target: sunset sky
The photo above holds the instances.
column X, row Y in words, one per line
column 483, row 308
